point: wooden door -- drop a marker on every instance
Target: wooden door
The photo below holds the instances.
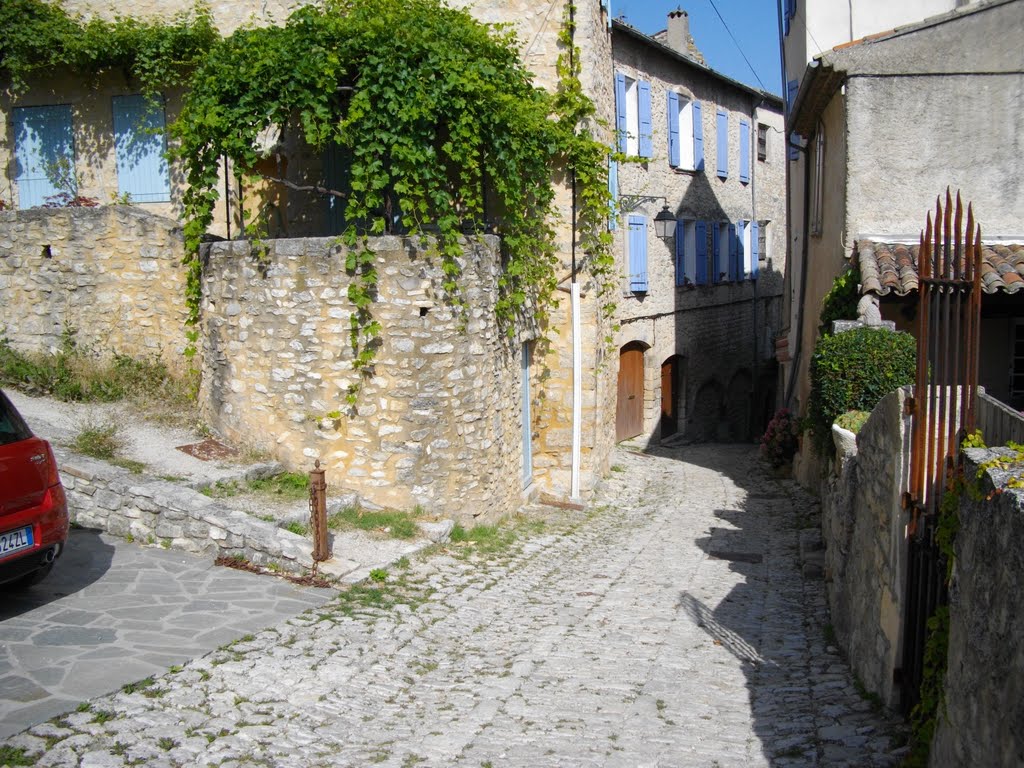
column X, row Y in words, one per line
column 671, row 375
column 629, row 415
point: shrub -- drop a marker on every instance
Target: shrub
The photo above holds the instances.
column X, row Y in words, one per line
column 840, row 303
column 852, row 371
column 852, row 420
column 779, row 444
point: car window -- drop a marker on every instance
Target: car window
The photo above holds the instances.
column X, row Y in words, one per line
column 12, row 427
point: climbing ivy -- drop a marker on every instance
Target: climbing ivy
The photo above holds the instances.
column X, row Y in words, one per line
column 432, row 107
column 39, row 36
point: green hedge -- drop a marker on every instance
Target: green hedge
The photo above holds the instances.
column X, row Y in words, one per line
column 852, row 371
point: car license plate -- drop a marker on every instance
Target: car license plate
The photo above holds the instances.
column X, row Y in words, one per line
column 15, row 541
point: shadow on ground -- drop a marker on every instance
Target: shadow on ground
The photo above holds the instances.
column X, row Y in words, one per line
column 84, row 561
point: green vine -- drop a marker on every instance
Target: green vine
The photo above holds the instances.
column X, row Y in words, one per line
column 840, row 303
column 41, row 36
column 433, row 109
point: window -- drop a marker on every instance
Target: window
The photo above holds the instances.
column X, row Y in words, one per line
column 44, row 154
column 140, row 145
column 763, row 240
column 744, row 151
column 721, row 237
column 817, row 180
column 722, row 126
column 633, row 116
column 685, row 133
column 748, row 250
column 636, row 244
column 762, row 142
column 686, row 253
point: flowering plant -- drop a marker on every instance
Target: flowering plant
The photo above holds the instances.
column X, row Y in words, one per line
column 779, row 444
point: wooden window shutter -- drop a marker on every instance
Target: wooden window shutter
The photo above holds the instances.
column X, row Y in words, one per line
column 638, row 254
column 644, row 104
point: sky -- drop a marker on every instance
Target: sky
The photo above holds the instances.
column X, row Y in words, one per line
column 754, row 24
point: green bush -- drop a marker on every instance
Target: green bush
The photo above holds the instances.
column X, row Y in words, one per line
column 852, row 371
column 840, row 303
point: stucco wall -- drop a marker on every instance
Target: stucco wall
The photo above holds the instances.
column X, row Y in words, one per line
column 113, row 274
column 438, row 424
column 723, row 332
column 864, row 531
column 975, row 148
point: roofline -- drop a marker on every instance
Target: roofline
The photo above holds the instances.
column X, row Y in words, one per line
column 619, row 26
column 827, row 65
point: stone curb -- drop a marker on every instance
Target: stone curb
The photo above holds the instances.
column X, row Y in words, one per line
column 157, row 511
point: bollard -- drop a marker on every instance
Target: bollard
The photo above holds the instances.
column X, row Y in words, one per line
column 318, row 514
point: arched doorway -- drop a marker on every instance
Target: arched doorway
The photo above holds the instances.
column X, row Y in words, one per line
column 629, row 410
column 672, row 403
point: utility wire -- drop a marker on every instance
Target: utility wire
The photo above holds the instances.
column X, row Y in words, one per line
column 738, row 47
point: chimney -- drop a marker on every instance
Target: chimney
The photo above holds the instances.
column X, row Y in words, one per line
column 678, row 37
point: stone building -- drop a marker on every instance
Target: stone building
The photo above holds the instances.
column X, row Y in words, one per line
column 869, row 160
column 699, row 308
column 274, row 370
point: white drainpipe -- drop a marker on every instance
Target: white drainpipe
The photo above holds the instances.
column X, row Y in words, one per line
column 577, row 389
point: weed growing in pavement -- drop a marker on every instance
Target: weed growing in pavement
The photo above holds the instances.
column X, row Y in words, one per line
column 97, row 439
column 85, row 706
column 870, row 697
column 135, row 467
column 300, row 529
column 494, row 539
column 139, row 686
column 119, row 749
column 15, row 756
column 166, row 743
column 394, row 523
column 291, row 486
column 617, row 468
column 379, row 575
column 403, row 564
column 101, row 716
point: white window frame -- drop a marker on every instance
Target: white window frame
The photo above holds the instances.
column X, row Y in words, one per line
column 686, row 157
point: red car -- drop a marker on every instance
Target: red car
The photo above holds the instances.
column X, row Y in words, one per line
column 33, row 508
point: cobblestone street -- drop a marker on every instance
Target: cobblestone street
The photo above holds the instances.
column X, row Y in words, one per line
column 669, row 625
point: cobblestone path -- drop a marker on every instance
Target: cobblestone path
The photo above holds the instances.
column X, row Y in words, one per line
column 668, row 626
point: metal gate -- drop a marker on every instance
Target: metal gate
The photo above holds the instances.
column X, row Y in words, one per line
column 943, row 409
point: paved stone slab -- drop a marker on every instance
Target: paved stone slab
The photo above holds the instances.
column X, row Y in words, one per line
column 113, row 612
column 614, row 638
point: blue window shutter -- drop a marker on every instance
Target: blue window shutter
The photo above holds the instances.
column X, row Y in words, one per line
column 44, row 153
column 680, row 253
column 673, row 129
column 723, row 144
column 613, row 193
column 701, row 229
column 638, row 254
column 754, row 253
column 744, row 151
column 620, row 110
column 735, row 249
column 139, row 145
column 716, row 253
column 792, row 88
column 698, row 137
column 644, row 103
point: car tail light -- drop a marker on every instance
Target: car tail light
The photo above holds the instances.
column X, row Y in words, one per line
column 52, row 476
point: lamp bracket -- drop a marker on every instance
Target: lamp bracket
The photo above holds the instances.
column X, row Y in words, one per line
column 629, row 203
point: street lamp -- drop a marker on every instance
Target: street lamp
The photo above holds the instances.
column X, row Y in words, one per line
column 664, row 222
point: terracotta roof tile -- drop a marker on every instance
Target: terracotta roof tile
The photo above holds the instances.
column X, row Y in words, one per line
column 892, row 267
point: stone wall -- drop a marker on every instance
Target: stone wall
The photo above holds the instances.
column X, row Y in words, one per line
column 984, row 704
column 437, row 425
column 113, row 274
column 865, row 547
column 158, row 512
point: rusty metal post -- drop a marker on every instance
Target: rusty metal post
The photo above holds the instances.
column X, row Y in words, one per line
column 318, row 514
